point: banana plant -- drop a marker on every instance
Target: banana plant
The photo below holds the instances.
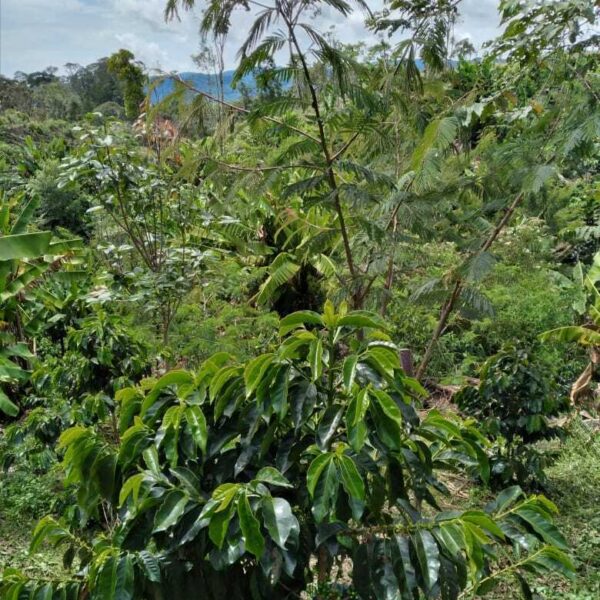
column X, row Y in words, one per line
column 237, row 478
column 588, row 334
column 24, row 258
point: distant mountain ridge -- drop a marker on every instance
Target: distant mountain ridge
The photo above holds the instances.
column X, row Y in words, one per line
column 203, row 82
column 207, row 83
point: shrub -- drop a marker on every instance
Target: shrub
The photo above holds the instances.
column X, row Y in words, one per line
column 75, row 386
column 514, row 402
column 232, row 478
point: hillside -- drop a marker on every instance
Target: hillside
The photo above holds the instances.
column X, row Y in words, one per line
column 204, row 83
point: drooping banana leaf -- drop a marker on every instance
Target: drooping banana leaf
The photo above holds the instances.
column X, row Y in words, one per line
column 7, row 406
column 24, row 245
column 23, row 280
column 574, row 333
column 25, row 217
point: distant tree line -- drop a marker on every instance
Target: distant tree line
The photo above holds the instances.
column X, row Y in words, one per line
column 114, row 85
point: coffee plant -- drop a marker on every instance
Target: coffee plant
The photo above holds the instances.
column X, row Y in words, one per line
column 251, row 480
column 514, row 404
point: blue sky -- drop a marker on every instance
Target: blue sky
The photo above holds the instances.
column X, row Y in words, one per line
column 37, row 33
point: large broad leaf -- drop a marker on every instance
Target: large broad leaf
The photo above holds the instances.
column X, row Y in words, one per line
column 504, row 499
column 353, row 485
column 21, row 349
column 150, row 565
column 124, row 579
column 315, row 358
column 542, row 526
column 115, row 579
column 351, row 478
column 326, row 492
column 315, row 469
column 7, row 406
column 279, row 391
column 349, row 370
column 48, row 529
column 403, row 566
column 224, row 379
column 225, row 494
column 384, row 359
column 551, row 560
column 11, row 372
column 428, row 556
column 328, row 426
column 389, row 407
column 279, row 519
column 64, row 247
column 388, row 418
column 131, row 487
column 45, row 592
column 253, row 538
column 272, row 476
column 24, row 245
column 197, row 423
column 151, row 459
column 452, row 538
column 106, row 580
column 355, row 419
column 483, row 521
column 179, row 378
column 255, row 370
column 219, row 524
column 171, row 510
column 299, row 319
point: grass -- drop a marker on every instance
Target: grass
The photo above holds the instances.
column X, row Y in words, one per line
column 24, row 498
column 14, row 552
column 574, row 484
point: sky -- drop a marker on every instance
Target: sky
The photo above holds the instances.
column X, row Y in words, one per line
column 35, row 34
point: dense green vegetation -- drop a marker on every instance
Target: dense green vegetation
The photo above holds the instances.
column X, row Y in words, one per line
column 337, row 339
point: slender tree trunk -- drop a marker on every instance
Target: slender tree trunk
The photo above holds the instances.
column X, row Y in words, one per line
column 357, row 296
column 445, row 313
column 323, row 569
column 407, row 362
column 450, row 304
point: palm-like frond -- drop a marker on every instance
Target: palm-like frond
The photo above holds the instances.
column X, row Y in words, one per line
column 257, row 30
column 365, row 173
column 263, row 52
column 477, row 267
column 172, row 7
column 300, row 188
column 276, row 107
column 281, row 270
column 337, row 61
column 474, row 304
column 438, row 136
column 296, row 150
column 433, row 291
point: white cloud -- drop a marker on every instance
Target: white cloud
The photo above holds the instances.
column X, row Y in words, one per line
column 37, row 33
column 153, row 56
